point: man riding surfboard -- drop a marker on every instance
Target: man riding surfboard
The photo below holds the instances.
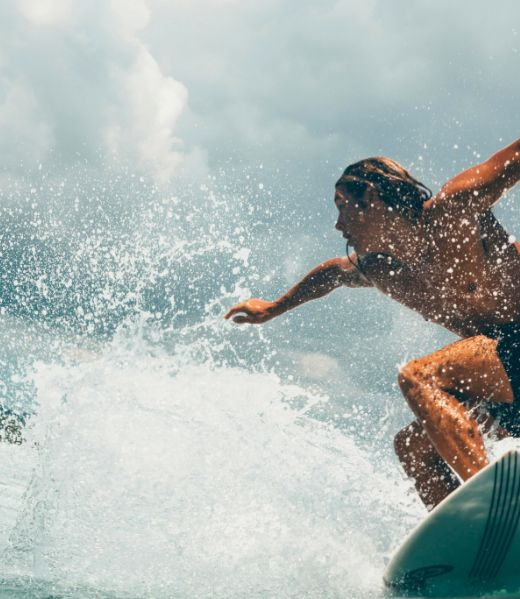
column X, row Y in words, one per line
column 448, row 258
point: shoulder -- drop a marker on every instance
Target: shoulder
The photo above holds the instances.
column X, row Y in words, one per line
column 375, row 265
column 446, row 205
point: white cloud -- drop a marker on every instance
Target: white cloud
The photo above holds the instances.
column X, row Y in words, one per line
column 22, row 126
column 76, row 81
column 132, row 15
column 46, row 13
column 145, row 115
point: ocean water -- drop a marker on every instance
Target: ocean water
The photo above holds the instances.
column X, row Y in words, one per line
column 166, row 452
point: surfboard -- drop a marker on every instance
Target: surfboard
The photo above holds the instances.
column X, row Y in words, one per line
column 470, row 543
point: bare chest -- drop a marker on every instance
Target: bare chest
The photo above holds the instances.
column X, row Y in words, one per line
column 468, row 279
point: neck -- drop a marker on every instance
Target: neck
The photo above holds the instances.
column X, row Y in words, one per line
column 404, row 240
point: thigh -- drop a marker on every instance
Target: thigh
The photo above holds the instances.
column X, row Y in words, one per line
column 469, row 368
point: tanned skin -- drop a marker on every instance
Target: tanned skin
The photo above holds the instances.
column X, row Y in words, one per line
column 456, row 266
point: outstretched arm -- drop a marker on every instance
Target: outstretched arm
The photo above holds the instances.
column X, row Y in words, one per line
column 321, row 280
column 481, row 186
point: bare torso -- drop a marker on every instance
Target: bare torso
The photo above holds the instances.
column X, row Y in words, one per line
column 467, row 278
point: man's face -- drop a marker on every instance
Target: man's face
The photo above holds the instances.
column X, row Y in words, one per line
column 351, row 217
column 363, row 221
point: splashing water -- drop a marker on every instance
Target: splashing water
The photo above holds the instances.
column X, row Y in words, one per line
column 196, row 481
column 163, row 455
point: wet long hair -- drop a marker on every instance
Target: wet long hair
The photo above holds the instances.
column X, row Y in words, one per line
column 393, row 183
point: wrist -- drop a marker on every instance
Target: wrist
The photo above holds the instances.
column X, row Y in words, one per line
column 277, row 307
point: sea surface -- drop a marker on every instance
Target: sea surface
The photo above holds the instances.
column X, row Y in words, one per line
column 163, row 452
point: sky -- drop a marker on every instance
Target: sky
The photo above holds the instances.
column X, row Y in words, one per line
column 198, row 85
column 331, row 81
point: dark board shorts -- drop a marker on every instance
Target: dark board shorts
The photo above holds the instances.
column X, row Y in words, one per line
column 508, row 350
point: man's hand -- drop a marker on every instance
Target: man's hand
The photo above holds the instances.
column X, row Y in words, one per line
column 253, row 311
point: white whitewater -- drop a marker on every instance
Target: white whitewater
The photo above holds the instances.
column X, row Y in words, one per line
column 143, row 478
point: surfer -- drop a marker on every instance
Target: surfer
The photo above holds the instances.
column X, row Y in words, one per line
column 447, row 257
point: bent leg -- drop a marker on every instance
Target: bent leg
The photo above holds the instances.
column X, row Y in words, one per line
column 432, row 477
column 435, row 387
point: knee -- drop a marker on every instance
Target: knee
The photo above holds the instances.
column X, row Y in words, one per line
column 410, row 376
column 417, row 374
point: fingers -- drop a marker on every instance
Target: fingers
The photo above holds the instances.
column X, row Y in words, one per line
column 240, row 314
column 250, row 311
column 235, row 310
column 230, row 313
column 249, row 318
column 242, row 319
